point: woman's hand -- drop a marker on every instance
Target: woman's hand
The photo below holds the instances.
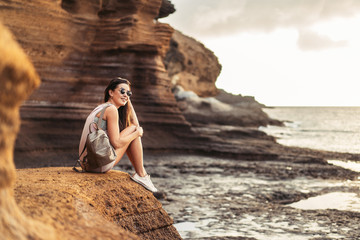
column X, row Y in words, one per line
column 140, row 131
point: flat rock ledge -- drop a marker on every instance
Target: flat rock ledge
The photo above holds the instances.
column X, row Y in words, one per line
column 92, row 206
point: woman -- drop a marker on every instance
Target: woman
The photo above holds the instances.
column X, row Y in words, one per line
column 123, row 129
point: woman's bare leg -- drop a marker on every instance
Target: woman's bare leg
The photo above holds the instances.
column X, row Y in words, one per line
column 121, row 151
column 134, row 150
column 135, row 154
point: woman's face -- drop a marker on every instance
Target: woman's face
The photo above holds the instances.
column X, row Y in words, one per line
column 120, row 96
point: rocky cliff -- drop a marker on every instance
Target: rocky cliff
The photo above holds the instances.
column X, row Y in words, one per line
column 192, row 66
column 77, row 47
column 58, row 203
column 193, row 70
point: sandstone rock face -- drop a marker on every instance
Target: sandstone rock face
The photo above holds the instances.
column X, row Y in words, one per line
column 192, row 66
column 92, row 206
column 77, row 46
column 59, row 203
column 18, row 79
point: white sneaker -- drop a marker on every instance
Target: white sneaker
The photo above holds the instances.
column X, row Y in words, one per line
column 144, row 181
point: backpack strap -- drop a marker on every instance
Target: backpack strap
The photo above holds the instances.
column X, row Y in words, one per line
column 77, row 162
column 100, row 119
column 75, row 165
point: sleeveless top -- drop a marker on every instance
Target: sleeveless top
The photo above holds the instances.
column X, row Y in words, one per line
column 103, row 123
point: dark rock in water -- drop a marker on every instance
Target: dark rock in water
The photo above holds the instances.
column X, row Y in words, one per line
column 211, row 110
column 238, row 100
column 191, row 65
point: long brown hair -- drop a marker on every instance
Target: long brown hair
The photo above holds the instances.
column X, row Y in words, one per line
column 124, row 111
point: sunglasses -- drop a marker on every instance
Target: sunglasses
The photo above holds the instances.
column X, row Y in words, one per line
column 123, row 91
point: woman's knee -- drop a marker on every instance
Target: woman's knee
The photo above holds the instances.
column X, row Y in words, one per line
column 132, row 128
column 128, row 130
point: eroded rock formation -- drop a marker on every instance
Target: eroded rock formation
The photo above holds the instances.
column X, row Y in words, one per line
column 77, row 46
column 192, row 66
column 92, row 206
column 18, row 79
column 210, row 110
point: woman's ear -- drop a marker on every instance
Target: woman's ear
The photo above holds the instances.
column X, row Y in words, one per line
column 111, row 93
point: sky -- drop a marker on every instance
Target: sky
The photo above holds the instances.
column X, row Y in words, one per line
column 282, row 52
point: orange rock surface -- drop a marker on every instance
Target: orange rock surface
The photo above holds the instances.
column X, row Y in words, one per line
column 89, row 206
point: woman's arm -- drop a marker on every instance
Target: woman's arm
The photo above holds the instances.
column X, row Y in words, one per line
column 118, row 139
column 134, row 119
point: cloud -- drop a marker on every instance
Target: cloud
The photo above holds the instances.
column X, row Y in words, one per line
column 309, row 41
column 214, row 17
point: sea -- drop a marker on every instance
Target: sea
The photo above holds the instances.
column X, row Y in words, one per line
column 324, row 128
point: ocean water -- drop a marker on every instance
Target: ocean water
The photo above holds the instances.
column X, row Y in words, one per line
column 324, row 128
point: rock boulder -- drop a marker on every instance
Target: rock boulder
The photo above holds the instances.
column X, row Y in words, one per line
column 92, row 206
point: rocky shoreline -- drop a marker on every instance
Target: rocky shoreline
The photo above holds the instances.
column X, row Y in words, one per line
column 218, row 198
column 248, row 179
column 195, row 188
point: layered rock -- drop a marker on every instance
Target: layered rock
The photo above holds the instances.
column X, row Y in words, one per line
column 77, row 47
column 192, row 66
